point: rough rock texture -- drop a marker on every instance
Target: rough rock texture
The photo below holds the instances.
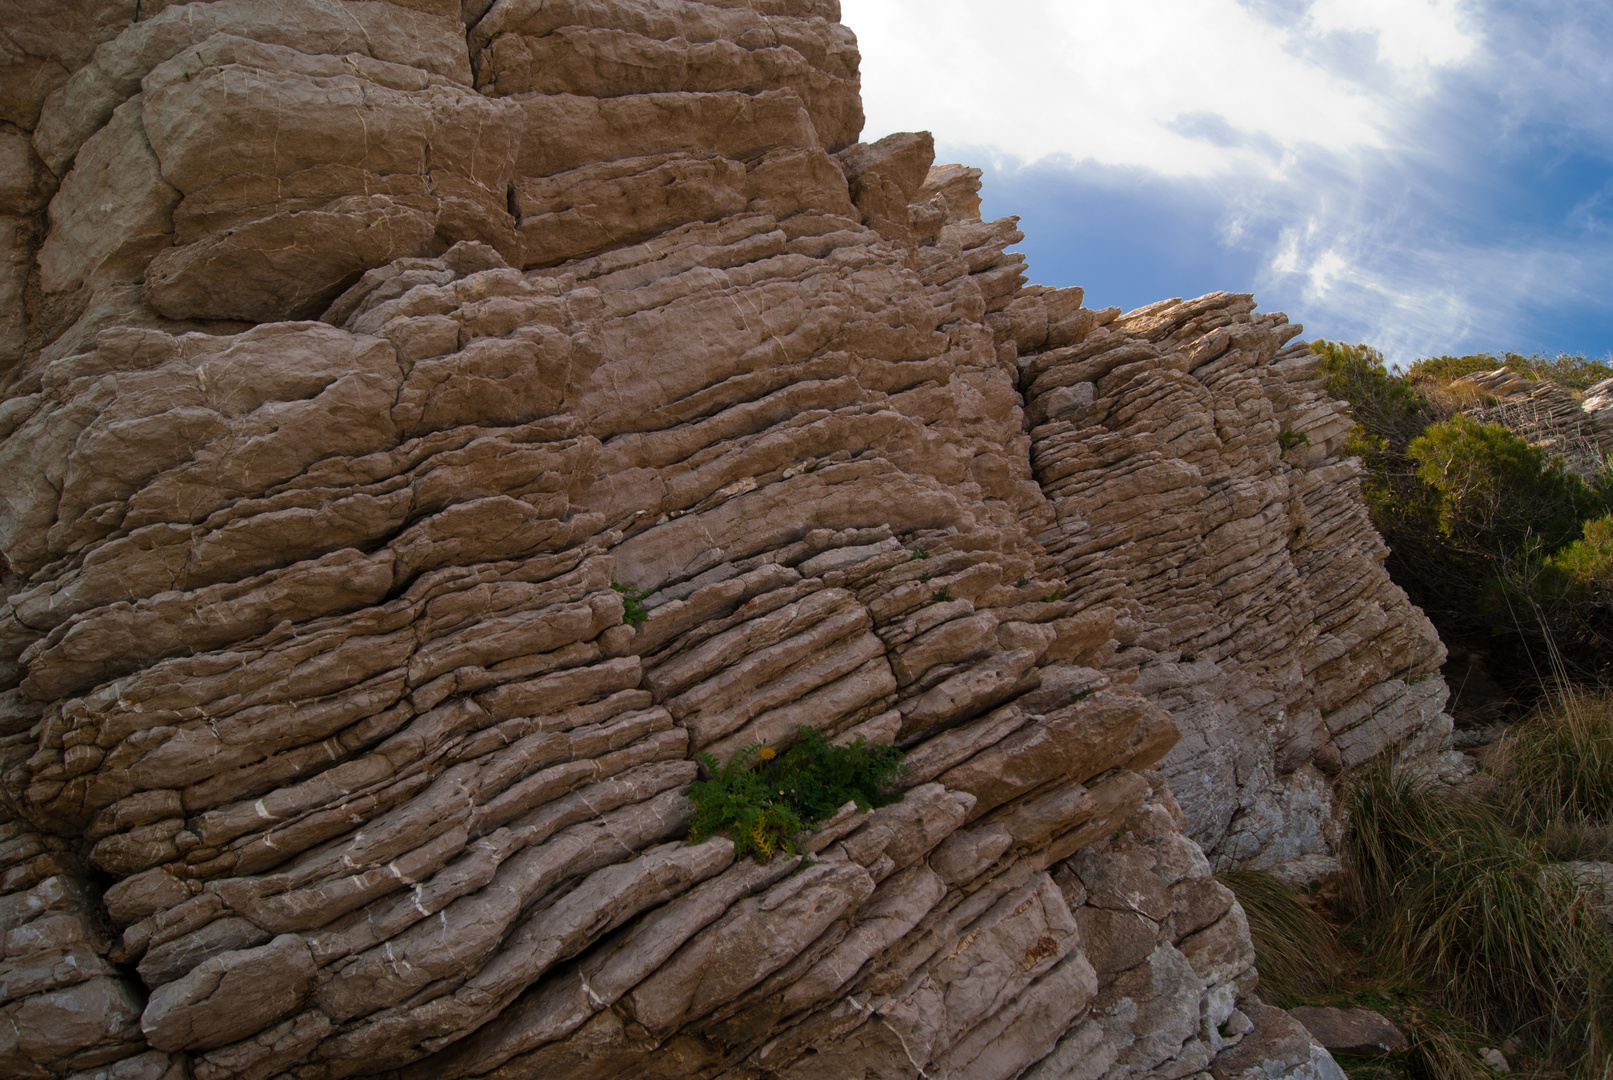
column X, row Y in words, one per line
column 1192, row 463
column 1360, row 1032
column 1279, row 1046
column 364, row 346
column 1551, row 416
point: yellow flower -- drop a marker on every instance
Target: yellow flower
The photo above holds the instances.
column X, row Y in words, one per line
column 767, row 753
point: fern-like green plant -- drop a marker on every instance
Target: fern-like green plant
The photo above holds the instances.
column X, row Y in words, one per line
column 634, row 613
column 762, row 799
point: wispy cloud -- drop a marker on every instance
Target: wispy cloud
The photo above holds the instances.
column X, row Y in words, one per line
column 1412, row 36
column 1426, row 174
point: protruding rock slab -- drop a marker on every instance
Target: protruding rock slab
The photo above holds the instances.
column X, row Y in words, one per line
column 1276, row 1048
column 1357, row 1032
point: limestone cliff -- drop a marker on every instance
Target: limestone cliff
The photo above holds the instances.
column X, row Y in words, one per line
column 359, row 348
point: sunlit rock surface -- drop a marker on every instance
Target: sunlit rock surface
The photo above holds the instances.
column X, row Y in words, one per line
column 357, row 349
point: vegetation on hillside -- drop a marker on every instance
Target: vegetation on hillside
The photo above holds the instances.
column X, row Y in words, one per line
column 1504, row 548
column 1574, row 372
column 1455, row 914
column 1469, row 914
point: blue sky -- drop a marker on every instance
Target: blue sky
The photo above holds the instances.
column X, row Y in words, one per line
column 1428, row 176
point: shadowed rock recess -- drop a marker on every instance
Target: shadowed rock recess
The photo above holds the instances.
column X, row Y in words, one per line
column 355, row 349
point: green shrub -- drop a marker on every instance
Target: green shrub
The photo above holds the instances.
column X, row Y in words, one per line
column 1497, row 540
column 1444, row 369
column 634, row 612
column 1575, row 372
column 1498, row 495
column 1383, row 404
column 762, row 799
column 1586, row 565
column 1474, row 517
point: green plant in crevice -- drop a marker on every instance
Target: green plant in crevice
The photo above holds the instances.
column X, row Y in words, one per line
column 762, row 798
column 1290, row 439
column 634, row 613
column 918, row 553
column 942, row 597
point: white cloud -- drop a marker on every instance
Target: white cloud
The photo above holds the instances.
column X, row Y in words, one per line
column 1179, row 87
column 1413, row 295
column 1286, row 259
column 1377, row 157
column 1323, row 270
column 1117, row 83
column 1413, row 35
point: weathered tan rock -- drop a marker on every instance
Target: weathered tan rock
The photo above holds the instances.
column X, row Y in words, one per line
column 63, row 1007
column 1550, row 416
column 1276, row 1045
column 1502, row 382
column 1259, row 614
column 46, row 42
column 1351, row 1031
column 315, row 647
column 230, row 995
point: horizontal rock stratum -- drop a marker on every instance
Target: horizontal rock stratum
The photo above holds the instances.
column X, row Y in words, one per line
column 357, row 350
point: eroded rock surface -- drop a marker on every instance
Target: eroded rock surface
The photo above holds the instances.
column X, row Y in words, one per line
column 1550, row 416
column 1357, row 1032
column 1192, row 461
column 363, row 352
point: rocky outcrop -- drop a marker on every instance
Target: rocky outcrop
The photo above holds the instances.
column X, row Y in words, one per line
column 371, row 353
column 1549, row 415
column 1193, row 463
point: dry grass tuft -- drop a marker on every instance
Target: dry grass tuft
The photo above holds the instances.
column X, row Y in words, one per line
column 1297, row 953
column 1452, row 898
column 1555, row 773
column 1444, row 1048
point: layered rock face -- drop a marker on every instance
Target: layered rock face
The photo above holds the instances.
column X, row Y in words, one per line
column 1550, row 416
column 370, row 352
column 1192, row 461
